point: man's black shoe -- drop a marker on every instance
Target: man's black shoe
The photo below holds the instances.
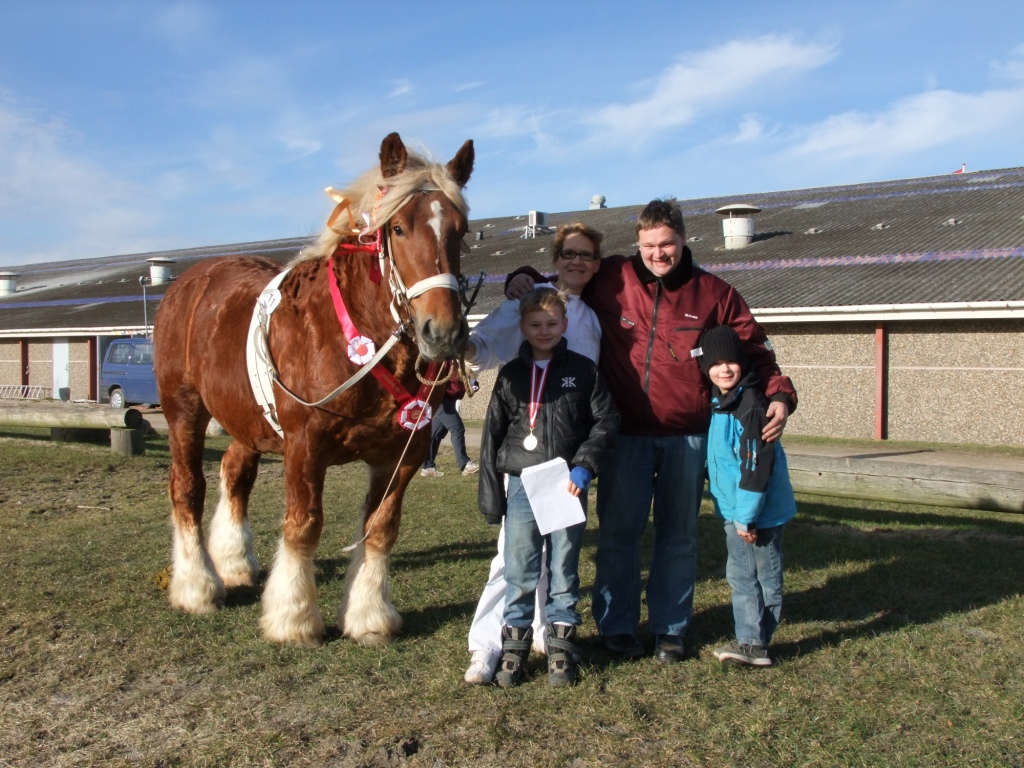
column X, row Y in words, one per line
column 626, row 646
column 669, row 648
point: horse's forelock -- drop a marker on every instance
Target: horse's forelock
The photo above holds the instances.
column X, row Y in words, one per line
column 420, row 174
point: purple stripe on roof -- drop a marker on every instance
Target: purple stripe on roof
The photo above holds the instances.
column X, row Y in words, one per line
column 861, row 261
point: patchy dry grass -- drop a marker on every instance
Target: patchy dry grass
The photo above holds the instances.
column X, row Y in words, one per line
column 901, row 644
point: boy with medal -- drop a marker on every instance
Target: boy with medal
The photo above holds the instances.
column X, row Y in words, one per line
column 548, row 403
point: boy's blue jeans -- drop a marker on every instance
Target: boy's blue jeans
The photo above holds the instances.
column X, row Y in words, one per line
column 523, row 547
column 754, row 572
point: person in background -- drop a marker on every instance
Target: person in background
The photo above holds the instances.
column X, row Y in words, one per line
column 653, row 307
column 576, row 255
column 448, row 420
column 749, row 482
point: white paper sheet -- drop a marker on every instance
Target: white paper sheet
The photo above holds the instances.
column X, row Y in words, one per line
column 547, row 488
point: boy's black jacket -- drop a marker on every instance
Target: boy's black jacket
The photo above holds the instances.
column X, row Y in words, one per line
column 577, row 421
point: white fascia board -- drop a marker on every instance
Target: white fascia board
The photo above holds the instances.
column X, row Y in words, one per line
column 967, row 310
column 120, row 330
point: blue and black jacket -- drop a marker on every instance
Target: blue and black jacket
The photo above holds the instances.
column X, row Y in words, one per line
column 748, row 478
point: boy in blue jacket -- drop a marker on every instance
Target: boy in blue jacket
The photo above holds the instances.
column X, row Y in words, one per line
column 749, row 482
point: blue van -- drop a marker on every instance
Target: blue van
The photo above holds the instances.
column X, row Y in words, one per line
column 126, row 376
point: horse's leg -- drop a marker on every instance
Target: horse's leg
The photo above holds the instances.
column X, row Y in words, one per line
column 290, row 610
column 231, row 541
column 195, row 586
column 366, row 613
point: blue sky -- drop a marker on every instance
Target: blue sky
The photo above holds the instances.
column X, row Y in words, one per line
column 129, row 127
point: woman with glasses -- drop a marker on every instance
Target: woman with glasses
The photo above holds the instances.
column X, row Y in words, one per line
column 493, row 342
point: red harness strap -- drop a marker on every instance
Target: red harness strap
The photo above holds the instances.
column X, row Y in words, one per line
column 414, row 412
column 372, row 248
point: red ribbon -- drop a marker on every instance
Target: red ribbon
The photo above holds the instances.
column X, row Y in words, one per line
column 408, row 414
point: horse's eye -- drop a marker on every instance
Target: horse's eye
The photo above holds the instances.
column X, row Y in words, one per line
column 397, row 229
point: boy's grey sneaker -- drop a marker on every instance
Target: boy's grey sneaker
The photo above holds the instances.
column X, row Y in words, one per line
column 471, row 468
column 515, row 650
column 741, row 653
column 431, row 472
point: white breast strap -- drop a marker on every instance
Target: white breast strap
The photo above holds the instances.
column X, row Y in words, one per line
column 258, row 359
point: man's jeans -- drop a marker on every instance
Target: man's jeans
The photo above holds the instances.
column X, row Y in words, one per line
column 754, row 572
column 523, row 547
column 669, row 470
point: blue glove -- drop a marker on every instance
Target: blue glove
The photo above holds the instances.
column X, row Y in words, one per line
column 581, row 477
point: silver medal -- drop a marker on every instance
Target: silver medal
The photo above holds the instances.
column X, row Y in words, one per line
column 530, row 442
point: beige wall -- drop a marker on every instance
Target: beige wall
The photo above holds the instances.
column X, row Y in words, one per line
column 952, row 381
column 78, row 365
column 957, row 385
column 10, row 361
column 833, row 369
column 40, row 362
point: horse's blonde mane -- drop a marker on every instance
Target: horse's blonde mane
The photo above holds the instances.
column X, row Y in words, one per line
column 420, row 174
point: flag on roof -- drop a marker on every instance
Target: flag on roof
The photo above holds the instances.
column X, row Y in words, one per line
column 961, row 169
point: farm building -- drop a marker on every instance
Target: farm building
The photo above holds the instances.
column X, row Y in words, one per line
column 896, row 307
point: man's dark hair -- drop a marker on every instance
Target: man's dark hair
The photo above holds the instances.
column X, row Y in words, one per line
column 658, row 213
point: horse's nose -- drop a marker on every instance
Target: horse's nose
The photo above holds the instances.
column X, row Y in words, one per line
column 443, row 341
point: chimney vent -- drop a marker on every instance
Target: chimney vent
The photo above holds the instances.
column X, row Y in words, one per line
column 738, row 224
column 160, row 270
column 597, row 201
column 8, row 283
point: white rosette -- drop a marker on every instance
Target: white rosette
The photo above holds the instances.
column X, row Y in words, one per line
column 361, row 350
column 409, row 416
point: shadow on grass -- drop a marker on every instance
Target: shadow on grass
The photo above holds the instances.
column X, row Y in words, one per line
column 907, row 569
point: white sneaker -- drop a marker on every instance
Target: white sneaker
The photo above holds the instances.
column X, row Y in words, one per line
column 471, row 468
column 481, row 669
column 431, row 472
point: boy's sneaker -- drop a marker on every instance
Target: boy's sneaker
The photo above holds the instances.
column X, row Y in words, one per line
column 431, row 472
column 471, row 468
column 741, row 653
column 481, row 668
column 563, row 655
column 515, row 650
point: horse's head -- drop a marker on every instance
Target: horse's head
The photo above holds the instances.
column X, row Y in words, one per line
column 425, row 239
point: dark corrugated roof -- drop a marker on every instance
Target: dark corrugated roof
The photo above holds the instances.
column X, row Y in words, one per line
column 941, row 239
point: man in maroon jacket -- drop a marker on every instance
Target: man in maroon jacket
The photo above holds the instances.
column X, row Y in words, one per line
column 653, row 307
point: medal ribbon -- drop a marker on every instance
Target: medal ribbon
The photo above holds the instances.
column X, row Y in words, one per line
column 536, row 392
column 385, row 377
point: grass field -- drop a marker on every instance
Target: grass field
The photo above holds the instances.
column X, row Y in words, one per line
column 901, row 643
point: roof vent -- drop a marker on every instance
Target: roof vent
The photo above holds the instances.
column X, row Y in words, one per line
column 159, row 270
column 813, row 231
column 597, row 201
column 536, row 224
column 8, row 283
column 738, row 224
column 951, row 222
column 880, row 226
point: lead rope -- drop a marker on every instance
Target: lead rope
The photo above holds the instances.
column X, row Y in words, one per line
column 373, row 517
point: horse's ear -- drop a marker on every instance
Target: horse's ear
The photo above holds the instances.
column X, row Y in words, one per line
column 393, row 155
column 461, row 165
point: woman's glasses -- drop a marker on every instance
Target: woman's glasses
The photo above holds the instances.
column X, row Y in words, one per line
column 570, row 255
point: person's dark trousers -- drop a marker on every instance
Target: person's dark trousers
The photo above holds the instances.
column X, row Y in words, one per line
column 446, row 420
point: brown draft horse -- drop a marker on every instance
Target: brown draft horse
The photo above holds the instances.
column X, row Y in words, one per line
column 418, row 214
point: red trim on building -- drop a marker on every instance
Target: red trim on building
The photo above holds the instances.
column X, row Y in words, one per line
column 881, row 382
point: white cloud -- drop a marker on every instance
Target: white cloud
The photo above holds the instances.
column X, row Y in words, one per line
column 1012, row 68
column 708, row 80
column 44, row 177
column 400, row 88
column 751, row 128
column 185, row 25
column 244, row 82
column 913, row 124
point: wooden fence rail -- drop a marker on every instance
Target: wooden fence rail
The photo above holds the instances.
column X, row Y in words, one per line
column 125, row 424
